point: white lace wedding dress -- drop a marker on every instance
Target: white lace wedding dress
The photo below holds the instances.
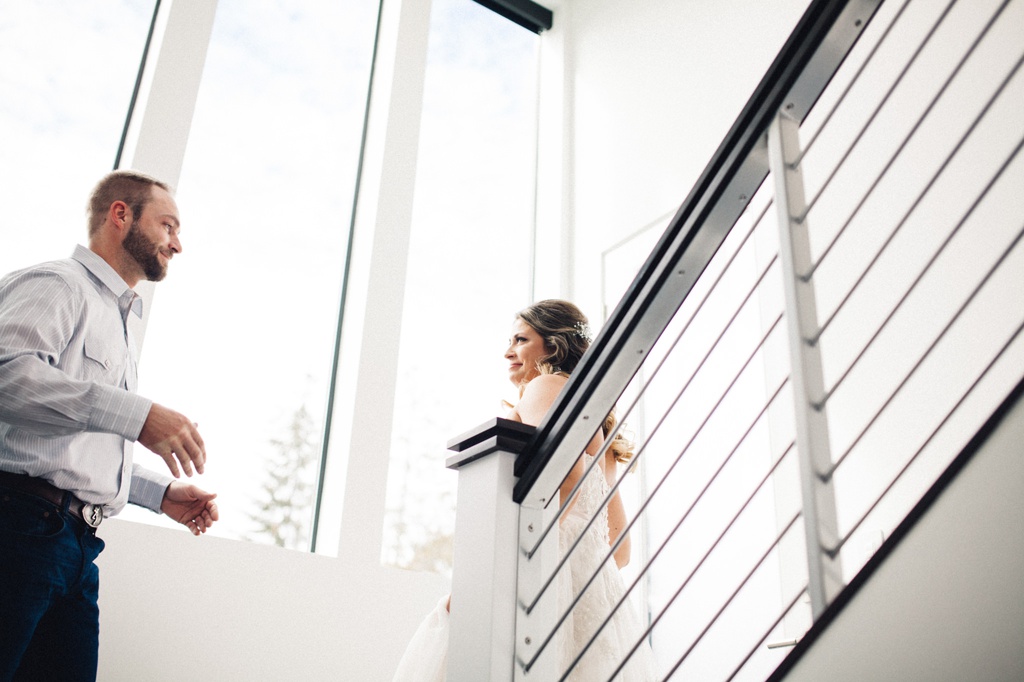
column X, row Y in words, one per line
column 426, row 656
column 623, row 631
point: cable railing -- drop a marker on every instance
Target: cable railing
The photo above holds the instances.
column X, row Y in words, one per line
column 797, row 362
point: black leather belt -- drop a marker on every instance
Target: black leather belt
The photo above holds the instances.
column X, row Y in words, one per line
column 91, row 514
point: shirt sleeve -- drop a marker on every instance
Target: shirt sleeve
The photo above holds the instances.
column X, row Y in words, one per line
column 39, row 312
column 148, row 488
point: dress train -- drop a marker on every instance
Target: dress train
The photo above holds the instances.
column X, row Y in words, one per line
column 426, row 656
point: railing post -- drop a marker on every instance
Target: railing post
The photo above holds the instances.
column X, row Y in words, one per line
column 535, row 618
column 483, row 609
column 807, row 380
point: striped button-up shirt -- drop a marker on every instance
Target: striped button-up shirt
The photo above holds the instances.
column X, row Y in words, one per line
column 68, row 408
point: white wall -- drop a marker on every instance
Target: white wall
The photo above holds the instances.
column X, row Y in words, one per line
column 176, row 607
column 653, row 89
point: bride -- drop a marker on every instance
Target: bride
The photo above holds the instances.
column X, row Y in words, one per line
column 548, row 339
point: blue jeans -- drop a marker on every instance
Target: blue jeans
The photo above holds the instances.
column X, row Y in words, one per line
column 49, row 585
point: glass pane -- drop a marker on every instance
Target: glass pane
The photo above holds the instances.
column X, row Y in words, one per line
column 241, row 334
column 469, row 264
column 66, row 79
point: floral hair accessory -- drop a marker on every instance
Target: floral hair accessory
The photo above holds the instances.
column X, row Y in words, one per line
column 583, row 331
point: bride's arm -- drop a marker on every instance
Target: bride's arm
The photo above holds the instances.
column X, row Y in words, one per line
column 616, row 513
column 538, row 397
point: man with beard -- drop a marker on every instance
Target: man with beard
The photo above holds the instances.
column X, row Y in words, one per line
column 68, row 416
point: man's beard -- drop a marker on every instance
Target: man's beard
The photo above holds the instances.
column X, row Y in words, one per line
column 145, row 253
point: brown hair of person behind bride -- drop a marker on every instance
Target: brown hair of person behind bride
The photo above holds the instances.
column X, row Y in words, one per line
column 566, row 331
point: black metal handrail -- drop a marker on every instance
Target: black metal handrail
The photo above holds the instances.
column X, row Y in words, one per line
column 800, row 72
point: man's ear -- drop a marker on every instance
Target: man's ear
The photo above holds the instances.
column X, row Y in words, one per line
column 120, row 215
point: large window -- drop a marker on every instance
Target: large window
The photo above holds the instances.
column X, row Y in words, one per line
column 469, row 264
column 241, row 334
column 66, row 79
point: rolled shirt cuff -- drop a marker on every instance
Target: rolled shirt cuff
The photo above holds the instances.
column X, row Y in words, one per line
column 148, row 488
column 115, row 410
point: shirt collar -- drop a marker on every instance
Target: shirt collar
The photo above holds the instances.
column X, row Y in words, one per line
column 108, row 276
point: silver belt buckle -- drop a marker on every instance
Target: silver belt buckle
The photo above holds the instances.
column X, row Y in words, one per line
column 92, row 514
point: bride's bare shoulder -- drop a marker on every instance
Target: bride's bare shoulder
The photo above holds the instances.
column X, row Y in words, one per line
column 544, row 387
column 538, row 396
column 547, row 382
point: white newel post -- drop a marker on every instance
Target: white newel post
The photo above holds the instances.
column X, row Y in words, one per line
column 481, row 644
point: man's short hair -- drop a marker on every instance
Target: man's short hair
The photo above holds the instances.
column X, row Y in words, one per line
column 131, row 187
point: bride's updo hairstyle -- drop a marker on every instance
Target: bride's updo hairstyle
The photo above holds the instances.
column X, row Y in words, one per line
column 564, row 330
column 566, row 334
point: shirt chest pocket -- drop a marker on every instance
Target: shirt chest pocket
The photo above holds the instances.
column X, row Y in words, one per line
column 104, row 361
